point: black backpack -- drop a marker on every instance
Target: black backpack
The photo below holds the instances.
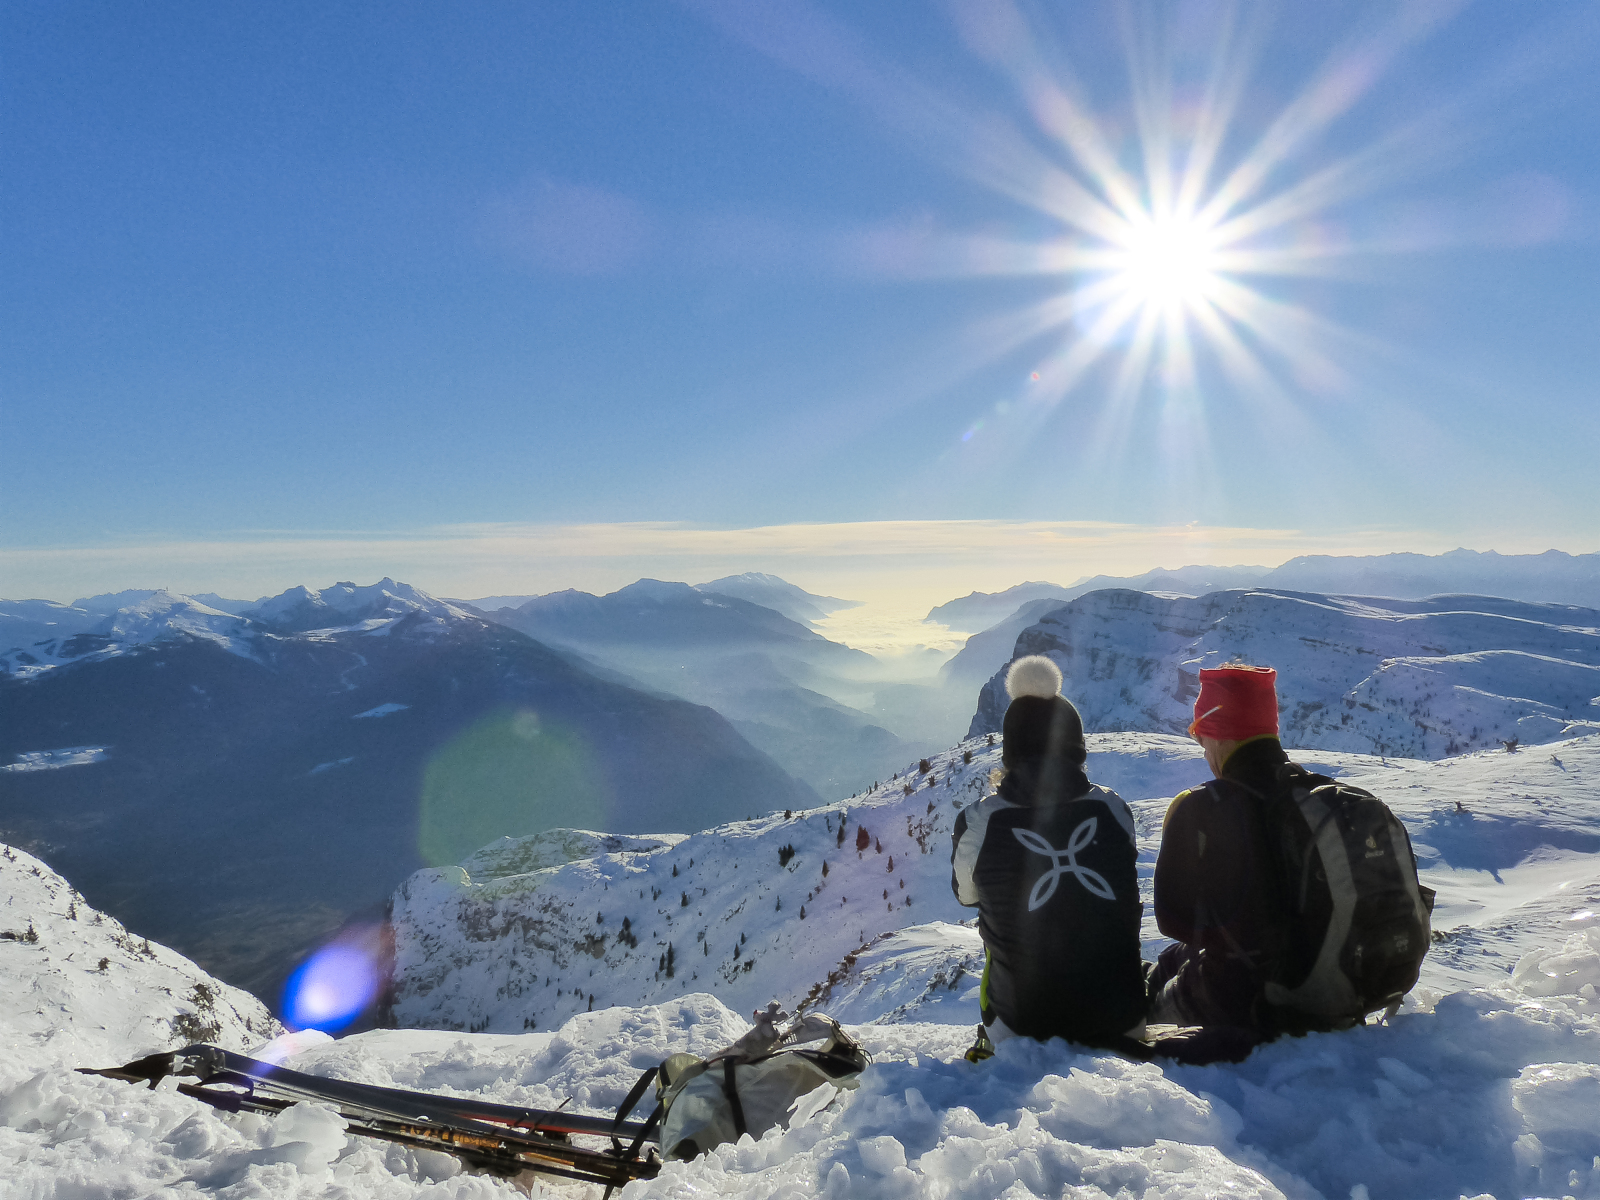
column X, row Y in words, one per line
column 1357, row 922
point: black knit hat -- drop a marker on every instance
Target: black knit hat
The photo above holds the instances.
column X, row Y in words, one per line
column 1040, row 723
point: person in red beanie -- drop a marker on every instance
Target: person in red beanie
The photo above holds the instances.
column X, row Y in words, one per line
column 1215, row 883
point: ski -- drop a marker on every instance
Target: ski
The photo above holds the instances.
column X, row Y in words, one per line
column 501, row 1138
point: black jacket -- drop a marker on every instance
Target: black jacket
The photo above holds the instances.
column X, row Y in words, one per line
column 1216, row 884
column 1049, row 864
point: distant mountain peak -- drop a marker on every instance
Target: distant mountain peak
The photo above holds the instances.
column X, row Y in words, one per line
column 110, row 602
column 759, row 577
column 980, row 610
column 301, row 608
column 658, row 590
column 37, row 635
column 1553, row 576
column 769, row 591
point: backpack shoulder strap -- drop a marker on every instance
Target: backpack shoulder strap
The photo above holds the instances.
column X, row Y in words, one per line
column 730, row 1089
column 633, row 1097
column 1292, row 775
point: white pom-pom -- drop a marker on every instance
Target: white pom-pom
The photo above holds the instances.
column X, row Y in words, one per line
column 1034, row 675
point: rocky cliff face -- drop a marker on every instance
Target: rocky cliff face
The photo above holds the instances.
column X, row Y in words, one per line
column 1410, row 678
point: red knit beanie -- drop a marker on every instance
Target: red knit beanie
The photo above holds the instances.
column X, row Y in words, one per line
column 1236, row 702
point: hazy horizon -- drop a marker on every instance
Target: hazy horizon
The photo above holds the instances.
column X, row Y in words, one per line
column 896, row 565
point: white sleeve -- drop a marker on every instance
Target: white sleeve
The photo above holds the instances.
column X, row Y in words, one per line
column 964, row 860
column 1119, row 809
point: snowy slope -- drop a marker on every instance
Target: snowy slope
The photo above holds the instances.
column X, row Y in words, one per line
column 164, row 614
column 1415, row 678
column 76, row 987
column 1487, row 1092
column 528, row 930
column 1488, row 1082
column 26, row 623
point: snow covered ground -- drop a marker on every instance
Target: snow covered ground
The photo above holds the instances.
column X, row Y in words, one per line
column 51, row 760
column 1487, row 1083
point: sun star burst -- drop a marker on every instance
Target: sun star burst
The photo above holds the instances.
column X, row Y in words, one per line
column 1166, row 261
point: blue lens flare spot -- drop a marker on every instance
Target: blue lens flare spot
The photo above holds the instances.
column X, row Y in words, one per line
column 332, row 987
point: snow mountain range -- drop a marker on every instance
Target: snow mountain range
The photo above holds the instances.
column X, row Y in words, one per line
column 238, row 785
column 36, row 635
column 1414, row 679
column 1553, row 577
column 757, row 587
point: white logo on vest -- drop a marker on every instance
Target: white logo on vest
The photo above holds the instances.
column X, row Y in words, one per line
column 1064, row 862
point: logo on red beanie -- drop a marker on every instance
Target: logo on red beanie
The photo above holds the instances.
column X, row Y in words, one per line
column 1236, row 702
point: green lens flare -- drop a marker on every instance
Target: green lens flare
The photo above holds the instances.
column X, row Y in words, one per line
column 511, row 774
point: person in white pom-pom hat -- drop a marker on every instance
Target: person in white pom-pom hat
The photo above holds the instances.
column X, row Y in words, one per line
column 1048, row 862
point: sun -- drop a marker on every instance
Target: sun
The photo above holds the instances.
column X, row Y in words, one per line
column 1189, row 232
column 1163, row 263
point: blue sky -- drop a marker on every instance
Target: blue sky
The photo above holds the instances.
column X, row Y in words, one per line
column 407, row 283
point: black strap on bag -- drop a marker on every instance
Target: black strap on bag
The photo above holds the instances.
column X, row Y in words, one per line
column 628, row 1102
column 632, row 1098
column 648, row 1128
column 731, row 1091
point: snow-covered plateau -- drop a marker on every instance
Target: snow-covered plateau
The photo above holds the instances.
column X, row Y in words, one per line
column 1414, row 678
column 1487, row 1083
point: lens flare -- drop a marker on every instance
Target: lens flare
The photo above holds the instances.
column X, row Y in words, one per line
column 336, row 984
column 513, row 773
